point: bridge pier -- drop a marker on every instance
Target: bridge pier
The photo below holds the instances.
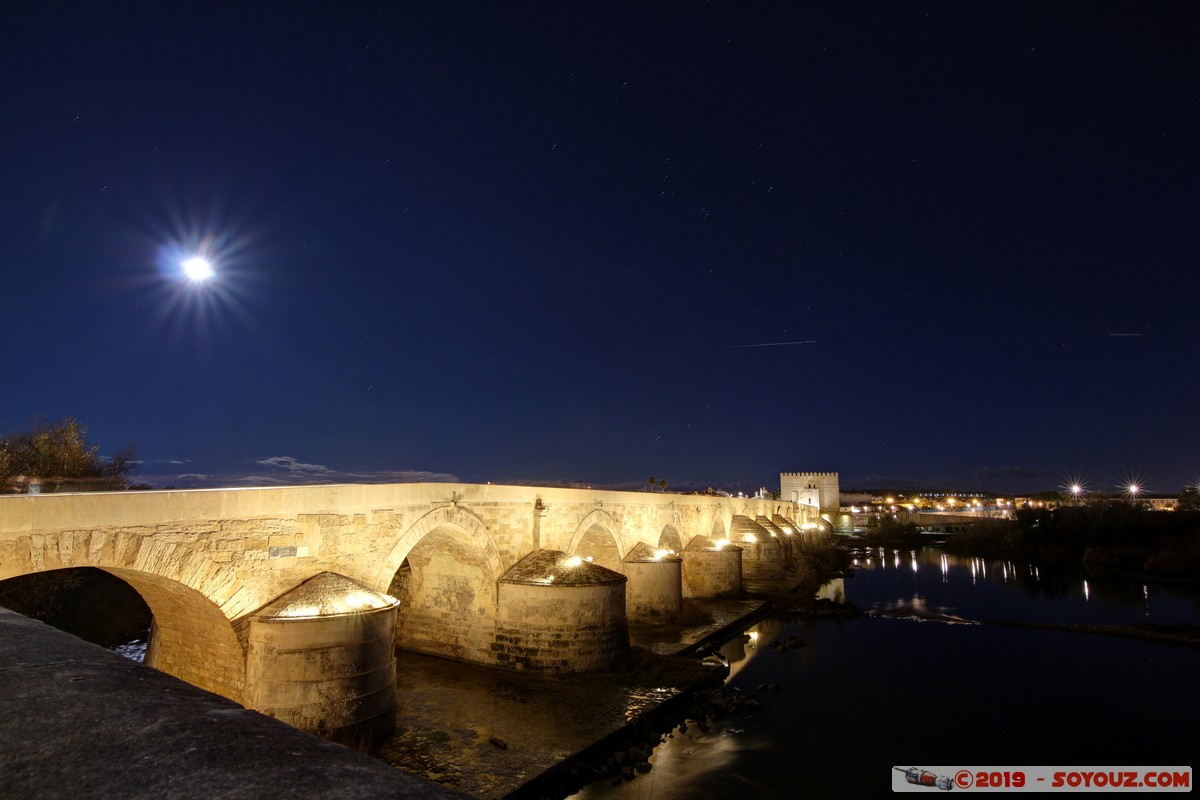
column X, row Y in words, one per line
column 560, row 613
column 654, row 593
column 712, row 569
column 762, row 559
column 321, row 658
column 784, row 524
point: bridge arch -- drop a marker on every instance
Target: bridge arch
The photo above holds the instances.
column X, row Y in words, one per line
column 670, row 539
column 454, row 515
column 193, row 601
column 598, row 537
column 446, row 581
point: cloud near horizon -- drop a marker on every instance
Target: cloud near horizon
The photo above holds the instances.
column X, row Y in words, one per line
column 293, row 472
column 292, row 465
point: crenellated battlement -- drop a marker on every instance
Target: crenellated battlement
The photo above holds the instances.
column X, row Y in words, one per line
column 814, row 489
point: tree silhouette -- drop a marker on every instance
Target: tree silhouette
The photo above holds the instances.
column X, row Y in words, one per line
column 57, row 455
column 652, row 483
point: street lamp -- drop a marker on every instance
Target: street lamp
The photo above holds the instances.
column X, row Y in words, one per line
column 1076, row 491
column 1133, row 490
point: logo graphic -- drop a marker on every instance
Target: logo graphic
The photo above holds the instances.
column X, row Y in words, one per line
column 922, row 777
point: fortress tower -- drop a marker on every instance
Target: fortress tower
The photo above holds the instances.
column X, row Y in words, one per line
column 818, row 489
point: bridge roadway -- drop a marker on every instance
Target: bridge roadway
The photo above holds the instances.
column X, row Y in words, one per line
column 212, row 564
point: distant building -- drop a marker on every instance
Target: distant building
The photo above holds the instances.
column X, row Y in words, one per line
column 816, row 489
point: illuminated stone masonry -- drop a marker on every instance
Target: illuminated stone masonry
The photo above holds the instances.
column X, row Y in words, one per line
column 219, row 567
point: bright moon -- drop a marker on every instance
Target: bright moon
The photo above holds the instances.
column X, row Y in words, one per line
column 197, row 269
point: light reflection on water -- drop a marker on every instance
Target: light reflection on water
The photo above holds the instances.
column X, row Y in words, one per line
column 987, row 693
column 1004, row 590
column 693, row 759
column 134, row 651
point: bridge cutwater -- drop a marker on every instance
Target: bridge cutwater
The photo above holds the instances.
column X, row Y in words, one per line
column 293, row 600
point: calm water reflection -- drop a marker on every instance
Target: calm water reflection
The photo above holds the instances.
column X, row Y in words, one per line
column 912, row 685
column 991, row 590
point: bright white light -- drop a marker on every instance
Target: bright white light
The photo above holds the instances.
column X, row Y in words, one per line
column 198, row 269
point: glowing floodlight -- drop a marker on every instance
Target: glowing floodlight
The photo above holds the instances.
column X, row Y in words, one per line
column 197, row 269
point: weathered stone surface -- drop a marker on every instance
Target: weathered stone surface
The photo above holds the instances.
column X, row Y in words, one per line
column 762, row 559
column 326, row 595
column 560, row 613
column 547, row 567
column 322, row 658
column 654, row 593
column 205, row 561
column 77, row 721
column 711, row 569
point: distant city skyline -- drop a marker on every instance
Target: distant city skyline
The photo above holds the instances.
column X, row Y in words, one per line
column 919, row 244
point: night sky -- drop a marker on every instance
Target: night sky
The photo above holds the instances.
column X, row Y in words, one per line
column 923, row 244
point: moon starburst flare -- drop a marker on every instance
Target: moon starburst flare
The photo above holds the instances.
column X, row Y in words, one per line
column 198, row 269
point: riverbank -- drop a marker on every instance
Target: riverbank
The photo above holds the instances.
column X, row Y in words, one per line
column 493, row 734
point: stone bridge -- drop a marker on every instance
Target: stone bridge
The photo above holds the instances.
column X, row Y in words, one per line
column 266, row 595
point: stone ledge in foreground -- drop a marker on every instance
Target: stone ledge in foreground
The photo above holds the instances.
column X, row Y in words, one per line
column 78, row 722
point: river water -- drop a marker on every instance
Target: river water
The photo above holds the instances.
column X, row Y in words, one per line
column 928, row 676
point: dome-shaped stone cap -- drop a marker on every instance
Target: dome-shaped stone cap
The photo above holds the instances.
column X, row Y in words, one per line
column 785, row 524
column 326, row 595
column 645, row 553
column 705, row 543
column 769, row 526
column 742, row 527
column 556, row 568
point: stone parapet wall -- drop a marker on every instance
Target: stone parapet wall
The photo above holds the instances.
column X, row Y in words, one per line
column 78, row 721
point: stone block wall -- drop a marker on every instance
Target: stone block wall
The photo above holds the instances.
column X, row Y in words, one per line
column 819, row 489
column 561, row 628
column 762, row 560
column 654, row 593
column 334, row 676
column 709, row 571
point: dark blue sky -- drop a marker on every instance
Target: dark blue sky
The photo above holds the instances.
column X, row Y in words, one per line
column 530, row 242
